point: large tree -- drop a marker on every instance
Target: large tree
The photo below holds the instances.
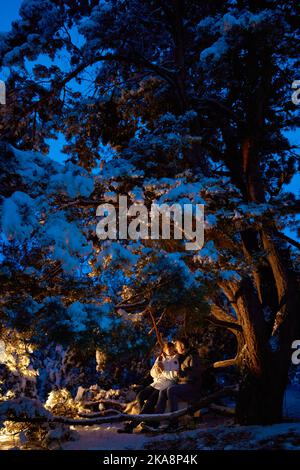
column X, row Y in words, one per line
column 201, row 92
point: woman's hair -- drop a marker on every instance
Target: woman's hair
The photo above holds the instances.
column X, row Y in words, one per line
column 168, row 344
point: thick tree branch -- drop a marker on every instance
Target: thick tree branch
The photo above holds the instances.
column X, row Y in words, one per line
column 98, row 414
column 227, row 324
column 225, row 363
column 127, row 304
column 289, row 239
column 222, row 410
column 220, row 317
column 131, row 306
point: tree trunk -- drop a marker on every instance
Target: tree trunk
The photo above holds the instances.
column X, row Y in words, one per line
column 260, row 398
column 264, row 353
column 261, row 394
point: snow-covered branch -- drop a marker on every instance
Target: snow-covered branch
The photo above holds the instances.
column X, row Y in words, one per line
column 120, row 417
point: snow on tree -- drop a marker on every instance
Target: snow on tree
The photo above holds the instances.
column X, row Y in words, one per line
column 194, row 101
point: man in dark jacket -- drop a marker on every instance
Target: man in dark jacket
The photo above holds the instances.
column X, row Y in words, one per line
column 189, row 376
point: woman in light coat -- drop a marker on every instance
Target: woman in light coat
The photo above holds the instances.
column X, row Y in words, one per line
column 164, row 373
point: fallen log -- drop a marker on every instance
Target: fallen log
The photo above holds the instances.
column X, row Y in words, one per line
column 222, row 410
column 205, row 401
column 115, row 403
column 98, row 414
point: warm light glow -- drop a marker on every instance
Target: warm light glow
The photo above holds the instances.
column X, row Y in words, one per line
column 15, row 354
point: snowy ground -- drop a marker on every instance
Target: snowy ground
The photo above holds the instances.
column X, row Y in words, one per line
column 223, row 437
column 212, row 434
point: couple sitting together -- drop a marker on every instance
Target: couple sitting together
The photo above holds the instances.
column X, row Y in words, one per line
column 176, row 377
